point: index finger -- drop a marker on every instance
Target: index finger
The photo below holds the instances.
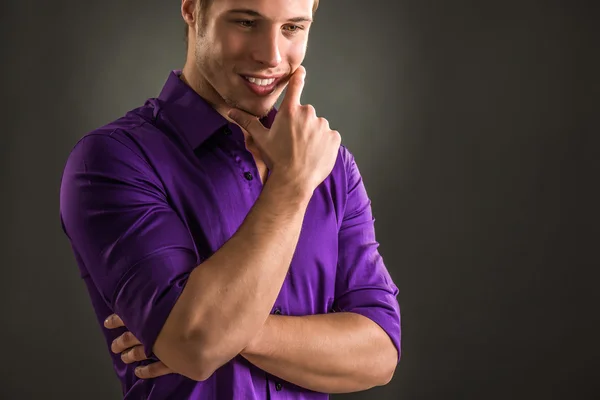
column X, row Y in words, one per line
column 113, row 321
column 294, row 88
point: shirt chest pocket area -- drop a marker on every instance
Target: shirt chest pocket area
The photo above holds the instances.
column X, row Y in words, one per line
column 309, row 286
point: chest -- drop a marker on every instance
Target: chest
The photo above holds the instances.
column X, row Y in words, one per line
column 214, row 191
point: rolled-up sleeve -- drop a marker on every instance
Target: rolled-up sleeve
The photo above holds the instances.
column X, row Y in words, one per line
column 135, row 247
column 363, row 283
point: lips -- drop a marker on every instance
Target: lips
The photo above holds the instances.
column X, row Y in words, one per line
column 261, row 85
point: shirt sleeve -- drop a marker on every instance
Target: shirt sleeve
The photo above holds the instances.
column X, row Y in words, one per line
column 135, row 247
column 363, row 284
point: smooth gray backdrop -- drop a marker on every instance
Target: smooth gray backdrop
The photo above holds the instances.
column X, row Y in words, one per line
column 474, row 124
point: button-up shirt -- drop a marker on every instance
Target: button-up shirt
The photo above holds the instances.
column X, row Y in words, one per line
column 147, row 198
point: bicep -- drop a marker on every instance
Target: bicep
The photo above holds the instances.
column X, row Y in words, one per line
column 136, row 249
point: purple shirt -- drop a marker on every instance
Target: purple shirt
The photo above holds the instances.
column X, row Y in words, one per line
column 145, row 199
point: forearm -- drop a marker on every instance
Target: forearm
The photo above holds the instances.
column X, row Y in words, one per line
column 229, row 296
column 331, row 353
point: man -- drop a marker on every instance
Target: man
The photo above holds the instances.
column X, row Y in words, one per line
column 231, row 244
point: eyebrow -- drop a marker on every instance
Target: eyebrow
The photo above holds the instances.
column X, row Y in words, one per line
column 256, row 14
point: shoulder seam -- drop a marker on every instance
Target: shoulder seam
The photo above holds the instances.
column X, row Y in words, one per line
column 110, row 135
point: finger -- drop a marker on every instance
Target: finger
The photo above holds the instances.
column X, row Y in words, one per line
column 247, row 122
column 153, row 370
column 133, row 354
column 294, row 88
column 124, row 342
column 113, row 321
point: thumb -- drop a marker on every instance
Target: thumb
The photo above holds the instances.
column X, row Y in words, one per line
column 294, row 88
column 248, row 122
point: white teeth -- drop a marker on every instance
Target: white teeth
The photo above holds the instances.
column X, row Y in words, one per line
column 260, row 82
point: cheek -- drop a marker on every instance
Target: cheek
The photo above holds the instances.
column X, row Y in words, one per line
column 296, row 53
column 233, row 46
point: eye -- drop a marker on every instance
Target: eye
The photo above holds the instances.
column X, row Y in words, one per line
column 246, row 23
column 292, row 28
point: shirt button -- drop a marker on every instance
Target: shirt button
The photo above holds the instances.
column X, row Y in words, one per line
column 277, row 311
column 278, row 387
column 226, row 131
column 248, row 175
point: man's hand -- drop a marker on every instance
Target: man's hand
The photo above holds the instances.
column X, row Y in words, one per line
column 133, row 351
column 299, row 147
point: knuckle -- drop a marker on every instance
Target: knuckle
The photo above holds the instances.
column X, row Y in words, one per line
column 153, row 370
column 310, row 109
column 246, row 124
column 290, row 110
column 126, row 337
column 142, row 372
column 126, row 357
column 337, row 137
column 138, row 353
column 118, row 345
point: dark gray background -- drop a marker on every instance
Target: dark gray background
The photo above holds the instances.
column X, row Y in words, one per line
column 473, row 123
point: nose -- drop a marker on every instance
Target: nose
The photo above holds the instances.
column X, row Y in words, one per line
column 267, row 51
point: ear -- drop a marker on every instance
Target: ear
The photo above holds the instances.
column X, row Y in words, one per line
column 188, row 12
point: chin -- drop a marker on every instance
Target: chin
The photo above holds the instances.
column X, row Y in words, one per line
column 258, row 108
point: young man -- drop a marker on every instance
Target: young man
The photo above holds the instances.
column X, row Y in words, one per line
column 232, row 245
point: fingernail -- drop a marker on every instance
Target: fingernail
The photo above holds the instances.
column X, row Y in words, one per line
column 138, row 370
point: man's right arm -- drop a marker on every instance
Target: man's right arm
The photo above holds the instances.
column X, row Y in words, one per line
column 142, row 259
column 229, row 296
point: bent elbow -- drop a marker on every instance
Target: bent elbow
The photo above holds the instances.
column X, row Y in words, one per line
column 206, row 358
column 184, row 355
column 200, row 374
column 203, row 367
column 186, row 359
column 192, row 352
column 387, row 376
column 389, row 369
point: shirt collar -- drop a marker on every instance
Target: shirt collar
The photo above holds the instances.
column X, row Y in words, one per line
column 191, row 115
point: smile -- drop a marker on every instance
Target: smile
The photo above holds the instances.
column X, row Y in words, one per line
column 261, row 86
column 260, row 82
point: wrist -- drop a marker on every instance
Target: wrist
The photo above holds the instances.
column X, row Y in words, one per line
column 253, row 348
column 290, row 188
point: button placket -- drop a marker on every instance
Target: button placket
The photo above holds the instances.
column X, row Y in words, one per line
column 242, row 156
column 239, row 158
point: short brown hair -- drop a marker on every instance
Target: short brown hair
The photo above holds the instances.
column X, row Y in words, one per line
column 204, row 4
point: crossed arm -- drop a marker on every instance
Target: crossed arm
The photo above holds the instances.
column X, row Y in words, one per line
column 330, row 353
column 340, row 352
